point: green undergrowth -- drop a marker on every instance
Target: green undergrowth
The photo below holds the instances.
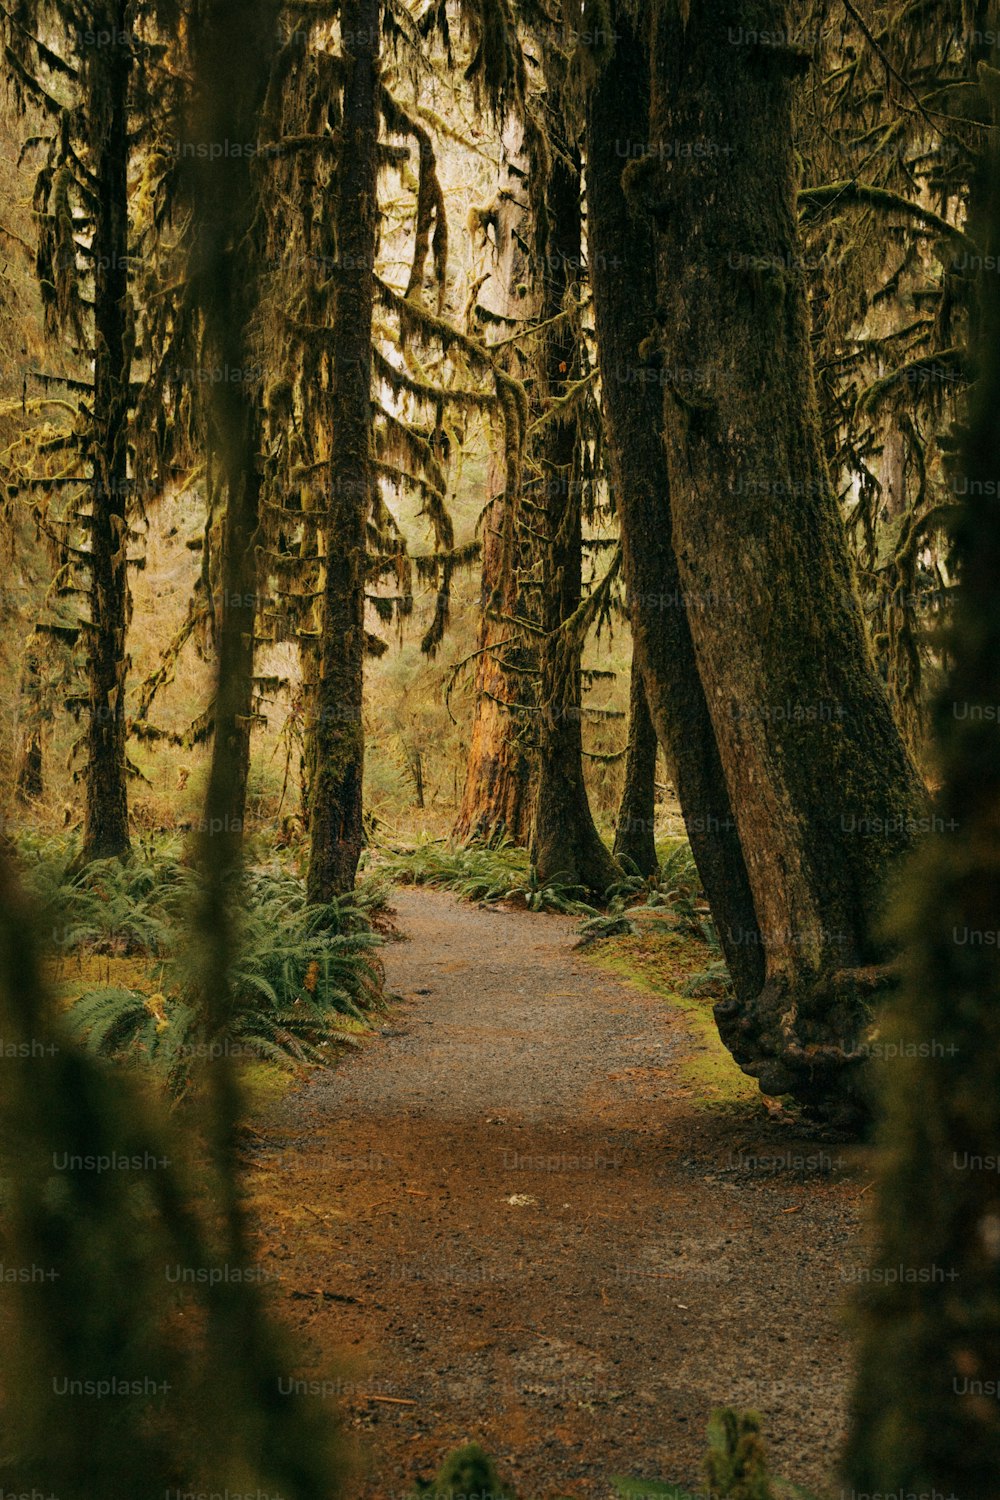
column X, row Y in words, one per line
column 496, row 869
column 484, row 870
column 304, row 985
column 736, row 1467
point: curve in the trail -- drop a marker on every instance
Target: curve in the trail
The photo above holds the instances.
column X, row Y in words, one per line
column 512, row 1214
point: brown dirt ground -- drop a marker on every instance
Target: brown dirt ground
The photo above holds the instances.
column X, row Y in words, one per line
column 516, row 1217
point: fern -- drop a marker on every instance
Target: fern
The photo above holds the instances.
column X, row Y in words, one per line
column 302, row 973
column 477, row 871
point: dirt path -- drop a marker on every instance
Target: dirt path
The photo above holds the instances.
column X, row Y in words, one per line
column 524, row 1230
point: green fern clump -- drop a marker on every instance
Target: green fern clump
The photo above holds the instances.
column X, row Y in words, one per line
column 110, row 906
column 486, row 870
column 674, row 900
column 556, row 894
column 302, row 975
column 480, row 870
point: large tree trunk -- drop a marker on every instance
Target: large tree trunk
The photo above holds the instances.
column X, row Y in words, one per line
column 622, row 273
column 105, row 827
column 564, row 840
column 634, row 840
column 823, row 790
column 337, row 738
column 499, row 783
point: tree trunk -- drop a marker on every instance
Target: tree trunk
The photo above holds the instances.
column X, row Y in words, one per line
column 337, row 739
column 824, row 793
column 634, row 839
column 225, row 264
column 564, row 840
column 29, row 781
column 622, row 274
column 105, row 827
column 499, row 779
column 925, row 1417
column 498, row 793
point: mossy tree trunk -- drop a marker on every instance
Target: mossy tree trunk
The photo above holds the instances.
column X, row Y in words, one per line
column 926, row 1418
column 564, row 840
column 623, row 276
column 225, row 263
column 499, row 783
column 107, row 76
column 634, row 840
column 822, row 788
column 336, row 742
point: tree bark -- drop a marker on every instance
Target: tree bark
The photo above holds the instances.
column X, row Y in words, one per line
column 30, row 780
column 499, row 782
column 105, row 827
column 823, row 790
column 564, row 840
column 226, row 266
column 337, row 739
column 634, row 840
column 623, row 277
column 498, row 791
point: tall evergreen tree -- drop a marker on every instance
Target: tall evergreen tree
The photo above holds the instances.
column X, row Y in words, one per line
column 564, row 840
column 337, row 742
column 500, row 775
column 821, row 787
column 84, row 86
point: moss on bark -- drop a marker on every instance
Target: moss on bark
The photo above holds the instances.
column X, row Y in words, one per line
column 623, row 277
column 336, row 742
column 824, row 792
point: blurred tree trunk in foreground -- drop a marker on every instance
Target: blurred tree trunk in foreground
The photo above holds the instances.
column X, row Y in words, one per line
column 926, row 1414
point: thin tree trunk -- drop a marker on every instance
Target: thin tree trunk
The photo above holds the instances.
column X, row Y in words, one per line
column 29, row 781
column 225, row 262
column 564, row 840
column 623, row 278
column 634, row 840
column 105, row 827
column 337, row 739
column 823, row 790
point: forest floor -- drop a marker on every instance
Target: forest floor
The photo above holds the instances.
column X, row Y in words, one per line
column 528, row 1213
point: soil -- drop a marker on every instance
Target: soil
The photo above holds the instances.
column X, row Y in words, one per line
column 512, row 1217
